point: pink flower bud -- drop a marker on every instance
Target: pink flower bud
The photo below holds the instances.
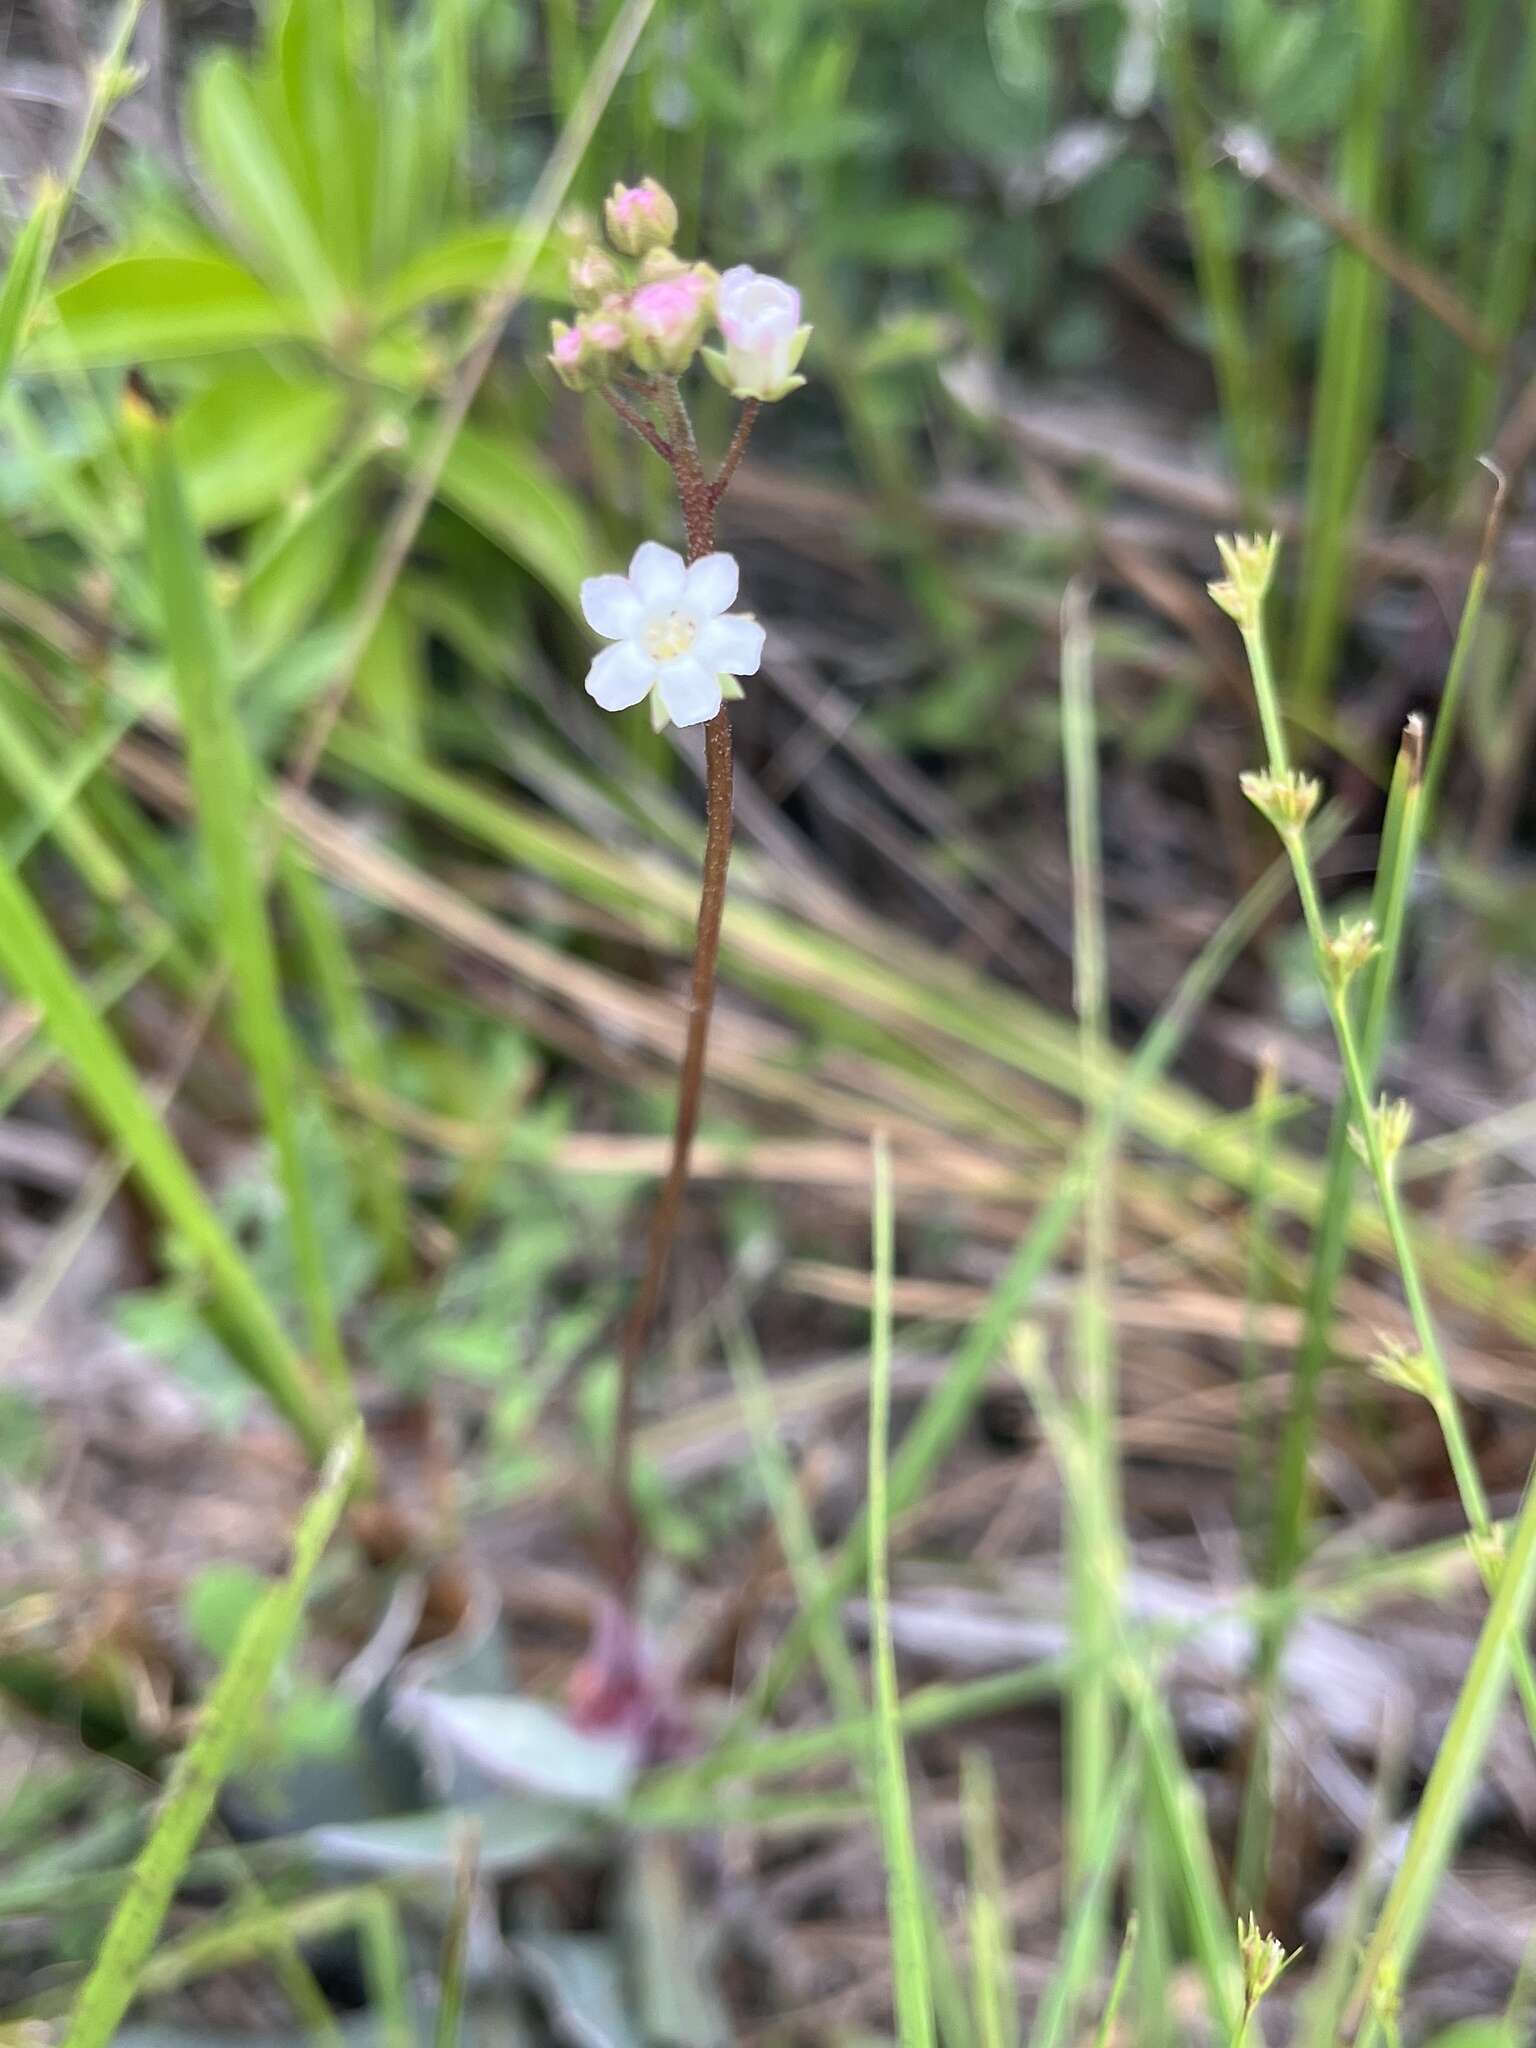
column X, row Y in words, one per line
column 588, row 353
column 605, row 333
column 593, row 276
column 759, row 318
column 640, row 217
column 667, row 320
column 568, row 355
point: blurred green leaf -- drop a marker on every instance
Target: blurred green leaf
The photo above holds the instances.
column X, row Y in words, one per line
column 467, row 261
column 250, row 440
column 501, row 486
column 332, row 129
column 905, row 237
column 515, row 1833
column 908, row 338
column 580, row 1978
column 522, row 1742
column 263, row 210
column 149, row 306
column 217, row 1603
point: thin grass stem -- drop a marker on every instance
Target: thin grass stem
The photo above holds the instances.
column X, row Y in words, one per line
column 1095, row 1541
column 909, row 1936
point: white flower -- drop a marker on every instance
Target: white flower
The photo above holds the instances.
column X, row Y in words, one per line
column 759, row 317
column 673, row 635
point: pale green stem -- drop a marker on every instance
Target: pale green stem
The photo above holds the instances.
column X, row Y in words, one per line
column 1469, row 1484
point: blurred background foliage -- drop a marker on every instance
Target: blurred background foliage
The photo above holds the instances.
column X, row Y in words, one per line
column 1087, row 280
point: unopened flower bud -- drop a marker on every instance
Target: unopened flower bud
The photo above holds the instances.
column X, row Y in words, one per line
column 587, row 354
column 759, row 318
column 660, row 263
column 605, row 335
column 1287, row 800
column 640, row 217
column 568, row 356
column 1249, row 560
column 593, row 275
column 1353, row 946
column 667, row 320
column 578, row 226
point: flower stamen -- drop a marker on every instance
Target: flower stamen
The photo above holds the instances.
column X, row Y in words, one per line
column 665, row 639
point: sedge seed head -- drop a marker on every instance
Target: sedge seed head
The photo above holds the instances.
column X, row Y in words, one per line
column 1287, row 800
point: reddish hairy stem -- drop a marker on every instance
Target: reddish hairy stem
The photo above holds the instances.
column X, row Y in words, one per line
column 735, row 452
column 637, row 422
column 699, row 500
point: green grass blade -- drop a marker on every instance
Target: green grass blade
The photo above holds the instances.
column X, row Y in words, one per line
column 223, row 779
column 909, row 1936
column 992, row 1995
column 943, row 1415
column 453, row 1973
column 360, row 1050
column 1511, row 253
column 1180, row 1813
column 1252, row 1859
column 1093, row 1532
column 34, row 246
column 226, row 1719
column 386, row 1969
column 1457, row 1768
column 1122, row 1977
column 24, row 275
column 31, row 959
column 1447, row 717
column 1077, row 1972
column 1349, row 370
column 1217, row 270
column 50, row 799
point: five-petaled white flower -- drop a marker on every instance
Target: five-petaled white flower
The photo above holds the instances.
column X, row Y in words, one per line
column 673, row 635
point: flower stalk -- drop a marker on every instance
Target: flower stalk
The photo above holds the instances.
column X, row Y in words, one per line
column 642, row 316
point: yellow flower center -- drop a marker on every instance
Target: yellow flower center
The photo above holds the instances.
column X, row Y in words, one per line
column 670, row 637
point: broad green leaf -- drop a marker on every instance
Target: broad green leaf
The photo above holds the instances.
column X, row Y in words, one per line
column 522, row 1742
column 515, row 1833
column 250, row 440
column 581, row 1978
column 465, row 262
column 332, row 104
column 230, row 1709
column 504, row 489
column 148, row 306
column 263, row 207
